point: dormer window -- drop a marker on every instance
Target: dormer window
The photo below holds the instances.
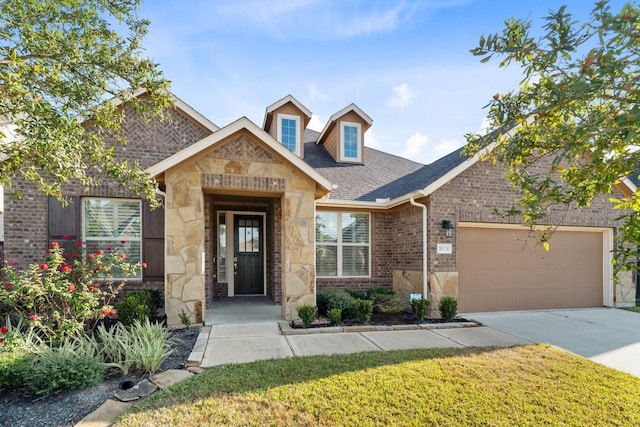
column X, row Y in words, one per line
column 288, row 132
column 350, row 141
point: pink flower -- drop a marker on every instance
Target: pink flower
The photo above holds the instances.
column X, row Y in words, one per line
column 66, row 237
column 66, row 269
column 144, row 265
column 9, row 286
column 100, row 252
column 4, row 330
column 1, row 340
column 43, row 266
column 78, row 243
column 94, row 246
column 54, row 244
column 71, row 288
column 122, row 242
column 109, row 249
column 123, row 256
column 91, row 256
column 34, row 317
column 14, row 262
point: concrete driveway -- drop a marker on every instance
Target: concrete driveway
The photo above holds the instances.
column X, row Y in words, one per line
column 605, row 335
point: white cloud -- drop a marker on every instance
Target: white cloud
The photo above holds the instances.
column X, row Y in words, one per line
column 315, row 93
column 446, row 146
column 370, row 139
column 375, row 21
column 414, row 145
column 402, row 95
column 315, row 123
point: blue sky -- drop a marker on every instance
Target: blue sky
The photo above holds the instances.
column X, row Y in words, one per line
column 405, row 63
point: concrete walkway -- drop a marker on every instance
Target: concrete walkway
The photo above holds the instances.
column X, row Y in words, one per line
column 239, row 343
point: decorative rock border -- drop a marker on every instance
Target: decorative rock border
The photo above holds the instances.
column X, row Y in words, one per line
column 286, row 329
column 111, row 409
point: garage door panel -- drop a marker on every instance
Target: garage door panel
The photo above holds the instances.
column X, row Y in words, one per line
column 504, row 269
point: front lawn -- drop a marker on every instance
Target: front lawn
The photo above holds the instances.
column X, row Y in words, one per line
column 530, row 385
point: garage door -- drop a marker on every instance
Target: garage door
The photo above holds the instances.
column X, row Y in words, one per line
column 503, row 269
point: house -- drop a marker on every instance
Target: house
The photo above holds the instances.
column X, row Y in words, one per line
column 284, row 211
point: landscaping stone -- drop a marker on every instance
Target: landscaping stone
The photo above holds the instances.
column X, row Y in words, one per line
column 144, row 388
column 105, row 415
column 126, row 395
column 168, row 378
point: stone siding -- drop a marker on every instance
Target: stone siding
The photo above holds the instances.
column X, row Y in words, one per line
column 244, row 166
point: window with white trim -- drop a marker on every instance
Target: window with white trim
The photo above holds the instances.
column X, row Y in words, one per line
column 342, row 244
column 350, row 139
column 288, row 126
column 113, row 225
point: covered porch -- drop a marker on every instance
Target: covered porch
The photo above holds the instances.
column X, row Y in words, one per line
column 239, row 221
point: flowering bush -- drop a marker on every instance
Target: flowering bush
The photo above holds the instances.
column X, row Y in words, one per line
column 60, row 296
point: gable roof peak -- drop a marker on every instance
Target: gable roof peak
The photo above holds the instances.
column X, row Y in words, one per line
column 279, row 103
column 334, row 117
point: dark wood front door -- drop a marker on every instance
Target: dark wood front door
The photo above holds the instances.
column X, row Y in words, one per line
column 248, row 261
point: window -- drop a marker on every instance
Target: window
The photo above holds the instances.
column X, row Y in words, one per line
column 350, row 141
column 222, row 247
column 342, row 244
column 288, row 132
column 113, row 224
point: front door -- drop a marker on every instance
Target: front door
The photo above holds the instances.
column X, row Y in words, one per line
column 248, row 255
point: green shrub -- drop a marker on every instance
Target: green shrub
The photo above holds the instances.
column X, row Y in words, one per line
column 448, row 308
column 151, row 345
column 334, row 315
column 356, row 294
column 374, row 292
column 184, row 319
column 58, row 369
column 364, row 309
column 307, row 314
column 65, row 293
column 337, row 299
column 388, row 304
column 420, row 308
column 143, row 345
column 14, row 369
column 139, row 305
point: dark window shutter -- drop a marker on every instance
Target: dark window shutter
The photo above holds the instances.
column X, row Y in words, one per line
column 153, row 242
column 63, row 223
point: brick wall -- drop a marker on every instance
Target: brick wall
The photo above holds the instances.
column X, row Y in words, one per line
column 149, row 143
column 472, row 196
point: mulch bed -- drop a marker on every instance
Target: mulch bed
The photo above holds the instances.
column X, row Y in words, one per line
column 379, row 319
column 20, row 407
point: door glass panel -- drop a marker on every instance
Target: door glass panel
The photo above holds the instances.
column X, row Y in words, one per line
column 222, row 247
column 248, row 236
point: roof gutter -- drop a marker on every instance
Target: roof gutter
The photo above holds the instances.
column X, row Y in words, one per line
column 425, row 273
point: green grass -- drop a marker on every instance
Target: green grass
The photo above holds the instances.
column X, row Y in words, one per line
column 530, row 385
column 635, row 309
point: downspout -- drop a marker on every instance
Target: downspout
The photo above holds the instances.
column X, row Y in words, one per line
column 425, row 286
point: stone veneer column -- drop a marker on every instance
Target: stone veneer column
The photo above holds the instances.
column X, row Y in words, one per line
column 184, row 234
column 298, row 246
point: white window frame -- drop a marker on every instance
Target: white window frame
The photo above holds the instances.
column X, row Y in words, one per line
column 296, row 119
column 138, row 239
column 340, row 245
column 358, row 127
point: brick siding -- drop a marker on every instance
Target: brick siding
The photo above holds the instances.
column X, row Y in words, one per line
column 149, row 143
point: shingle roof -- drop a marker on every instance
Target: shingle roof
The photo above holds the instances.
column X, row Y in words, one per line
column 382, row 175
